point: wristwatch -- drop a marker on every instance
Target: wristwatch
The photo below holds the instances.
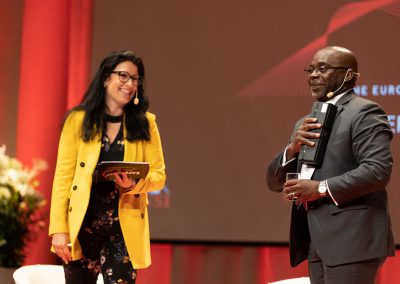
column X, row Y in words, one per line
column 322, row 188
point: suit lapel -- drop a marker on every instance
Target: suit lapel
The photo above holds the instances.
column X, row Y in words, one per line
column 343, row 101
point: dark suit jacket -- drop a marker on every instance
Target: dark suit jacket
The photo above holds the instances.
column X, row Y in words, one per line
column 357, row 165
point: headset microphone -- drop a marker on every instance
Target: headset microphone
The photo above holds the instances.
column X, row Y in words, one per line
column 136, row 99
column 331, row 94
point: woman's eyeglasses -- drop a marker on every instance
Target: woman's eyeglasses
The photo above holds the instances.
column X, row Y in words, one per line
column 125, row 76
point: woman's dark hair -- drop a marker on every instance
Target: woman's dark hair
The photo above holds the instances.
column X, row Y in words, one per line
column 93, row 103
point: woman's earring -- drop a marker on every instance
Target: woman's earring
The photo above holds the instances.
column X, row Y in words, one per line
column 136, row 99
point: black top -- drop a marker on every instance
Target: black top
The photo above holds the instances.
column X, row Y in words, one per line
column 113, row 118
column 102, row 213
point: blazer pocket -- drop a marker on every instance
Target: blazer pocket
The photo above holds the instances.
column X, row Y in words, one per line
column 336, row 210
column 131, row 212
column 130, row 201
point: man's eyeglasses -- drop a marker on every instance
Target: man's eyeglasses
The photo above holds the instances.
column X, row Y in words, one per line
column 322, row 69
column 125, row 76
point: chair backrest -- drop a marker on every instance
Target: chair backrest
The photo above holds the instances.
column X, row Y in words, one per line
column 33, row 274
column 299, row 280
column 42, row 274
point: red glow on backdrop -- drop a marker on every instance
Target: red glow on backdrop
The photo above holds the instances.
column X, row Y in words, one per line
column 48, row 54
column 54, row 65
column 273, row 82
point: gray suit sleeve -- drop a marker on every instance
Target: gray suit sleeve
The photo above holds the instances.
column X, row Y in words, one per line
column 370, row 137
column 276, row 173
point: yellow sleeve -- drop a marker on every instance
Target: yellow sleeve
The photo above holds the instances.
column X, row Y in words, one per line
column 153, row 154
column 64, row 173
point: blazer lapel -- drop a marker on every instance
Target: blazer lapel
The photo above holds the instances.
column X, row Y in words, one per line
column 343, row 101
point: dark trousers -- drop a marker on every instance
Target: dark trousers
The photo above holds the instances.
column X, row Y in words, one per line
column 106, row 255
column 102, row 243
column 363, row 272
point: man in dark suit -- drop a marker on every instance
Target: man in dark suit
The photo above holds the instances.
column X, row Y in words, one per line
column 340, row 220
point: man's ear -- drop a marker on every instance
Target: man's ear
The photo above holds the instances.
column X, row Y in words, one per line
column 349, row 74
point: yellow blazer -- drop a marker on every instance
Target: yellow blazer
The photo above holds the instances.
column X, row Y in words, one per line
column 76, row 162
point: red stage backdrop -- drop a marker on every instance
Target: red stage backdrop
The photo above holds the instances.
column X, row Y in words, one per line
column 225, row 80
column 54, row 61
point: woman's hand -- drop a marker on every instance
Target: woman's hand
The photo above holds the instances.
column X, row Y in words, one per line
column 124, row 182
column 60, row 244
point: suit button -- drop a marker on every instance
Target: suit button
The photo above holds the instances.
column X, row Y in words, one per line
column 74, row 187
column 70, row 209
column 82, row 164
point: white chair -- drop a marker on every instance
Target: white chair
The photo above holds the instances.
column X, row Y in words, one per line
column 42, row 274
column 299, row 280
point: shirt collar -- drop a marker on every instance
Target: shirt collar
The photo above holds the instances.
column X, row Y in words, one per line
column 336, row 98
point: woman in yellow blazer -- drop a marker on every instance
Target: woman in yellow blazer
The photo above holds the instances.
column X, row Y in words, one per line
column 104, row 226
